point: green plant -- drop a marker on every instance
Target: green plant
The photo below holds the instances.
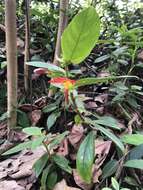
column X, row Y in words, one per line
column 76, row 46
column 115, row 186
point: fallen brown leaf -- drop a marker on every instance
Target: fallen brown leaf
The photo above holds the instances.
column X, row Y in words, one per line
column 76, row 135
column 35, row 116
column 96, row 174
column 102, row 147
column 17, row 170
column 91, row 105
column 10, row 185
column 63, row 186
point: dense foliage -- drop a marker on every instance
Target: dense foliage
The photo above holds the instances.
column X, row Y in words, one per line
column 91, row 125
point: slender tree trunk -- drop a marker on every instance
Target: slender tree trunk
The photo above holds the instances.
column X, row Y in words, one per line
column 63, row 20
column 11, row 51
column 27, row 44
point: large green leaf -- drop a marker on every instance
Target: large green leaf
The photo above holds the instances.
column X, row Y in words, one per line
column 85, row 157
column 134, row 139
column 138, row 164
column 49, row 66
column 91, row 80
column 106, row 132
column 81, row 35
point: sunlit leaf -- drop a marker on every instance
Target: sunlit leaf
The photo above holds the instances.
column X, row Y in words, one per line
column 81, row 35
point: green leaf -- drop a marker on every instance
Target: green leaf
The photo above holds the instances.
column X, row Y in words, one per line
column 138, row 164
column 52, row 180
column 81, row 35
column 35, row 131
column 106, row 132
column 102, row 58
column 23, row 119
column 115, row 184
column 52, row 119
column 49, row 66
column 37, row 142
column 62, row 162
column 91, row 81
column 85, row 157
column 135, row 153
column 18, row 148
column 50, row 107
column 106, row 188
column 45, row 174
column 57, row 140
column 109, row 169
column 40, row 164
column 131, row 181
column 22, row 146
column 108, row 121
column 133, row 139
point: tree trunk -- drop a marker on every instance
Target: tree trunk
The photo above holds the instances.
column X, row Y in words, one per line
column 11, row 51
column 63, row 20
column 27, row 44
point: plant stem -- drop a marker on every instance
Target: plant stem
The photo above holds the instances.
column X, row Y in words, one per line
column 48, row 152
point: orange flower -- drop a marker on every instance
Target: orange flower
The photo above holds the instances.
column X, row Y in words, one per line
column 67, row 85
